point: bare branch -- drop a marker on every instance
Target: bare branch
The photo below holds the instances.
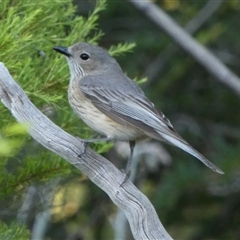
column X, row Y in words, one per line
column 203, row 15
column 26, row 207
column 211, row 63
column 159, row 63
column 140, row 213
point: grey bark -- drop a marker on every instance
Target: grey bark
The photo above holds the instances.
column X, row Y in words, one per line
column 141, row 215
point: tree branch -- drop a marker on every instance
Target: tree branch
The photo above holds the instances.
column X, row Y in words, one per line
column 203, row 56
column 159, row 63
column 139, row 211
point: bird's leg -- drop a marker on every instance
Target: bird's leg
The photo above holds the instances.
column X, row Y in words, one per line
column 87, row 141
column 129, row 162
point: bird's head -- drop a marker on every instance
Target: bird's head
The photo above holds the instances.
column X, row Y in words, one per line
column 87, row 59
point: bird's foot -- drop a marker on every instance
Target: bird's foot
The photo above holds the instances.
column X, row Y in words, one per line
column 126, row 177
column 85, row 144
column 87, row 141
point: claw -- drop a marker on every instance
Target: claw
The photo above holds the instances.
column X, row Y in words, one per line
column 127, row 176
column 85, row 148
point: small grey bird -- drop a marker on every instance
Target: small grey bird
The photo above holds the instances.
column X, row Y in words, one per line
column 113, row 105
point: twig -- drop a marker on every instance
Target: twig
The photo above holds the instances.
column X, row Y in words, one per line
column 43, row 218
column 211, row 63
column 159, row 63
column 203, row 15
column 26, row 207
column 142, row 217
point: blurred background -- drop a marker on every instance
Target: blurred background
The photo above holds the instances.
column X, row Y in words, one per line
column 192, row 202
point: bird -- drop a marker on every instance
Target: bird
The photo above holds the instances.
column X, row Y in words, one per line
column 112, row 104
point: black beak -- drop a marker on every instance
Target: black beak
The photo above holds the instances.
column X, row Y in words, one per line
column 62, row 50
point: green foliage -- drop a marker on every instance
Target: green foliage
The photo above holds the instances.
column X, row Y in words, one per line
column 188, row 197
column 11, row 139
column 121, row 48
column 27, row 36
column 36, row 167
column 29, row 30
column 14, row 231
column 140, row 81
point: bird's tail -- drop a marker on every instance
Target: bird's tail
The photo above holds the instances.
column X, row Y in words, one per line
column 181, row 143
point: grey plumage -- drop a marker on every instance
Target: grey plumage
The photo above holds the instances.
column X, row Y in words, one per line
column 109, row 92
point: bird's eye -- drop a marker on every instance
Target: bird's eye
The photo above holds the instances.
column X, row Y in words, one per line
column 84, row 56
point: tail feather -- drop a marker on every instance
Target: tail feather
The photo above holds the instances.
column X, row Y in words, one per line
column 179, row 142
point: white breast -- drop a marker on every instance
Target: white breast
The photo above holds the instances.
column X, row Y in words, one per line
column 96, row 119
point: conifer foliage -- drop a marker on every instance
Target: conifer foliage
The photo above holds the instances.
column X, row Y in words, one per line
column 29, row 30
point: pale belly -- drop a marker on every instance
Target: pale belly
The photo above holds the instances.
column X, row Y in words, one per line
column 99, row 121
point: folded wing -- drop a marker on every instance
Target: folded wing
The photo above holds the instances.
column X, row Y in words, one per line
column 132, row 107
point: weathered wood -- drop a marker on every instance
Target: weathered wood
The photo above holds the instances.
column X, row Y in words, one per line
column 140, row 213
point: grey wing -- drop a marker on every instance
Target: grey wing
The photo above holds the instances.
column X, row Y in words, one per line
column 132, row 107
column 126, row 103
